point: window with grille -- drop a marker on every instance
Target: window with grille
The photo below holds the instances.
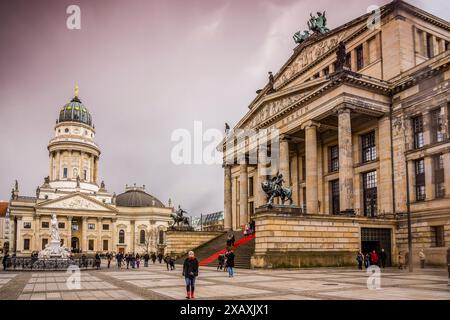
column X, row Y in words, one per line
column 334, row 158
column 142, row 237
column 438, row 175
column 45, row 225
column 121, row 236
column 370, row 193
column 334, row 186
column 61, row 225
column 417, row 123
column 250, row 187
column 437, row 236
column 359, row 58
column 437, row 132
column 369, row 150
column 106, row 227
column 420, row 179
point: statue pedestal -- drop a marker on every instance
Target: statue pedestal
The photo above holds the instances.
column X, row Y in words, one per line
column 280, row 209
column 55, row 246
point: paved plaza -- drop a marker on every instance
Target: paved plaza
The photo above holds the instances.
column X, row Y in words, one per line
column 155, row 282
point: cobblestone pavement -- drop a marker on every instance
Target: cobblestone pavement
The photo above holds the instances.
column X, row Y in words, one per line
column 155, row 282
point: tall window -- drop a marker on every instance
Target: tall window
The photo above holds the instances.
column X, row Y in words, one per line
column 334, row 158
column 26, row 244
column 369, row 150
column 303, row 168
column 65, row 173
column 161, row 237
column 91, row 245
column 437, row 234
column 121, row 236
column 438, row 175
column 250, row 187
column 85, row 174
column 437, row 131
column 304, row 199
column 420, row 179
column 417, row 123
column 105, row 245
column 430, row 48
column 44, row 243
column 142, row 237
column 334, row 186
column 359, row 58
column 251, row 208
column 370, row 193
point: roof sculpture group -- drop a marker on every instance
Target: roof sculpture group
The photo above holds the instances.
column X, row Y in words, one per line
column 316, row 25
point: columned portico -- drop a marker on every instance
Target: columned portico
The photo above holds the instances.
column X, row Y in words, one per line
column 345, row 159
column 311, row 167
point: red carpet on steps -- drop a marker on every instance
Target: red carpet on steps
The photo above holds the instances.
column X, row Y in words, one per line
column 237, row 244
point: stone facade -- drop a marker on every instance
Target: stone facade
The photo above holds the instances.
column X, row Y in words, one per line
column 350, row 142
column 90, row 219
column 180, row 242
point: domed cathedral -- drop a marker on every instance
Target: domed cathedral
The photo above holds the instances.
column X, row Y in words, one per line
column 91, row 219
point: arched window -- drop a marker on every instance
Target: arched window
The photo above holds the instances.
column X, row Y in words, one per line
column 142, row 237
column 121, row 236
column 161, row 237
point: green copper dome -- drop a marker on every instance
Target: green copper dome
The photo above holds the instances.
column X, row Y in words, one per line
column 75, row 111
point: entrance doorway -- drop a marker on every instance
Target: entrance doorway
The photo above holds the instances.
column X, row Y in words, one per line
column 376, row 239
column 75, row 244
column 122, row 250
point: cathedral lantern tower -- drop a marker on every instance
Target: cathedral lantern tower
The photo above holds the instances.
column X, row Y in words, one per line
column 73, row 153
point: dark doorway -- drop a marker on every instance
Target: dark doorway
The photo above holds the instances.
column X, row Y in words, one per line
column 75, row 244
column 377, row 239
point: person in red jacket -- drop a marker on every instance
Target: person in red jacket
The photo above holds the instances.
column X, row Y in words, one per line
column 374, row 257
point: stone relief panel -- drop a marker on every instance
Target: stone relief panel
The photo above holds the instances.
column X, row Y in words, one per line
column 76, row 203
column 310, row 54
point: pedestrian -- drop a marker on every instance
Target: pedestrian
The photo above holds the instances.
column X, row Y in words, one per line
column 138, row 260
column 146, row 258
column 5, row 261
column 229, row 240
column 448, row 265
column 190, row 272
column 230, row 263
column 172, row 263
column 220, row 262
column 167, row 261
column 133, row 261
column 367, row 260
column 232, row 240
column 160, row 257
column 360, row 259
column 127, row 260
column 98, row 261
column 422, row 259
column 119, row 260
column 109, row 257
column 383, row 258
column 153, row 257
column 374, row 258
column 400, row 260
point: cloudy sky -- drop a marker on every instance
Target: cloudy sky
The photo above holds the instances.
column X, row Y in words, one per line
column 145, row 69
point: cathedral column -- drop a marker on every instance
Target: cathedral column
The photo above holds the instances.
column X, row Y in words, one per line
column 295, row 179
column 58, row 166
column 69, row 232
column 261, row 198
column 311, row 168
column 243, row 195
column 99, row 234
column 37, row 222
column 84, row 245
column 227, row 198
column 284, row 160
column 345, row 160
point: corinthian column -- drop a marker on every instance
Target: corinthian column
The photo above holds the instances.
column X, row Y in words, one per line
column 345, row 160
column 261, row 198
column 284, row 160
column 243, row 194
column 311, row 168
column 84, row 245
column 227, row 197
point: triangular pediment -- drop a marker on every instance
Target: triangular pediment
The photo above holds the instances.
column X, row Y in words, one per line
column 77, row 201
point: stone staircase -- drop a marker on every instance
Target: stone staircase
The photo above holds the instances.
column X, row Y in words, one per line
column 242, row 252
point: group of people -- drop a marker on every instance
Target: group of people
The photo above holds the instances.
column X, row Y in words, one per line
column 371, row 258
column 133, row 260
column 226, row 262
column 170, row 262
column 249, row 228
